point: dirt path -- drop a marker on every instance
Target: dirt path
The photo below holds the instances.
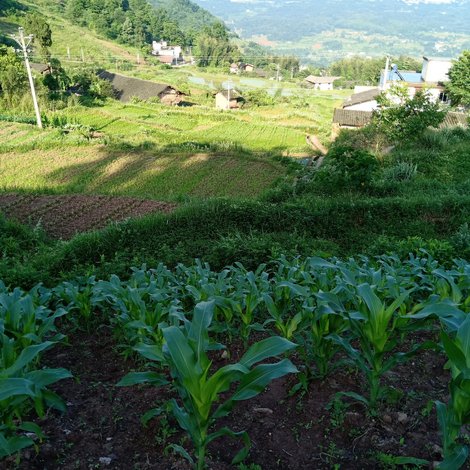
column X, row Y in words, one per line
column 66, row 215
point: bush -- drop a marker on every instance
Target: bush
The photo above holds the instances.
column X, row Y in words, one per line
column 401, row 171
column 349, row 167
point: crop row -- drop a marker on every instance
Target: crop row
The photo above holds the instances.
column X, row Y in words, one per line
column 324, row 310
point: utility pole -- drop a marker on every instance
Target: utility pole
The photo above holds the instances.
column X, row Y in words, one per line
column 228, row 93
column 68, row 52
column 138, row 58
column 387, row 67
column 21, row 40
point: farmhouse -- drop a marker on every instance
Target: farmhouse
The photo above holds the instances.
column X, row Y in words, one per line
column 241, row 67
column 43, row 69
column 126, row 88
column 228, row 99
column 320, row 83
column 433, row 76
column 171, row 55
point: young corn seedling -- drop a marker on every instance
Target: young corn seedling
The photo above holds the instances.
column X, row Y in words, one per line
column 456, row 414
column 185, row 355
column 378, row 328
column 324, row 317
column 22, row 388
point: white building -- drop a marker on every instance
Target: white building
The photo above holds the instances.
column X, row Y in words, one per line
column 172, row 55
column 435, row 69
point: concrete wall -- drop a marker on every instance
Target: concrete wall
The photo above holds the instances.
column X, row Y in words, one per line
column 367, row 106
column 435, row 70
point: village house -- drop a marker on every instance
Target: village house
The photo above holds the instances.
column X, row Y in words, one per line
column 228, row 99
column 320, row 83
column 126, row 88
column 241, row 67
column 43, row 69
column 166, row 54
column 357, row 110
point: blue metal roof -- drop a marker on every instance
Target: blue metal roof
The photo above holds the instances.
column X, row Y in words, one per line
column 410, row 77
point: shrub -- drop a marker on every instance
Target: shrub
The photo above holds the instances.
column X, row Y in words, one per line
column 401, row 171
column 350, row 167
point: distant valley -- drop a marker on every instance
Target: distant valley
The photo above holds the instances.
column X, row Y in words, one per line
column 320, row 31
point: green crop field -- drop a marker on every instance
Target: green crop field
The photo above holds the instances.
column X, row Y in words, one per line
column 155, row 151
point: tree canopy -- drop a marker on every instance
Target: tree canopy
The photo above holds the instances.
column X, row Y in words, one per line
column 459, row 75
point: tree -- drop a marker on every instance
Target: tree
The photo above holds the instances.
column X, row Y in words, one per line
column 214, row 47
column 459, row 84
column 401, row 117
column 13, row 83
column 36, row 25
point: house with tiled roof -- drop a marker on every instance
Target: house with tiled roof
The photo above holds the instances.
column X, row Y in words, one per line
column 320, row 83
column 229, row 99
column 126, row 88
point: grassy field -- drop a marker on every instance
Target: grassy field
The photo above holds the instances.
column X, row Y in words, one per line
column 150, row 150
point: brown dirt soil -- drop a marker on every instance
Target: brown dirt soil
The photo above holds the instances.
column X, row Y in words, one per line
column 66, row 215
column 287, row 432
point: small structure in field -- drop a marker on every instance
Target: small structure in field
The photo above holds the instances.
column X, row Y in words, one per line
column 229, row 99
column 351, row 118
column 43, row 69
column 320, row 83
column 362, row 101
column 242, row 67
column 126, row 88
column 166, row 54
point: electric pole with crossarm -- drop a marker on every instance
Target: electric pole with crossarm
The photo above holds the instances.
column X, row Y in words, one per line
column 24, row 43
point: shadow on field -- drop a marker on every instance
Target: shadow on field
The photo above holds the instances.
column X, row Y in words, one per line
column 169, row 172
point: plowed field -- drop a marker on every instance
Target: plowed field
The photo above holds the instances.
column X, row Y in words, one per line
column 64, row 216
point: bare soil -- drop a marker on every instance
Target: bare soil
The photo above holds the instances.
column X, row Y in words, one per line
column 66, row 215
column 101, row 427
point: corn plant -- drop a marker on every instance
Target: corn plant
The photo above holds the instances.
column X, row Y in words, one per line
column 78, row 297
column 378, row 327
column 22, row 388
column 456, row 414
column 184, row 353
column 324, row 319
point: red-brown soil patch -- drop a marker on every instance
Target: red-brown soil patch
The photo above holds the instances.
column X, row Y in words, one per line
column 287, row 432
column 66, row 215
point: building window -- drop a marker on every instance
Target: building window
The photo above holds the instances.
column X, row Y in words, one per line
column 443, row 98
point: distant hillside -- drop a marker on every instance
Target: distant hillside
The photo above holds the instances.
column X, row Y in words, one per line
column 188, row 14
column 329, row 29
column 104, row 32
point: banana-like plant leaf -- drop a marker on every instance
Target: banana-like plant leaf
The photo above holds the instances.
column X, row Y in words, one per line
column 410, row 461
column 181, row 451
column 354, row 396
column 13, row 444
column 134, row 378
column 202, row 318
column 242, row 454
column 183, row 357
column 15, row 386
column 150, row 351
column 27, row 355
column 269, row 347
column 454, row 353
column 28, row 426
column 257, row 379
column 45, row 377
column 455, row 459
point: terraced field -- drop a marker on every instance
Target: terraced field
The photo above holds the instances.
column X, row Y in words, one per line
column 65, row 216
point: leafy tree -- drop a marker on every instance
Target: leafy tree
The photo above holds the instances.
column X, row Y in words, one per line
column 36, row 25
column 401, row 117
column 13, row 81
column 214, row 47
column 459, row 75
